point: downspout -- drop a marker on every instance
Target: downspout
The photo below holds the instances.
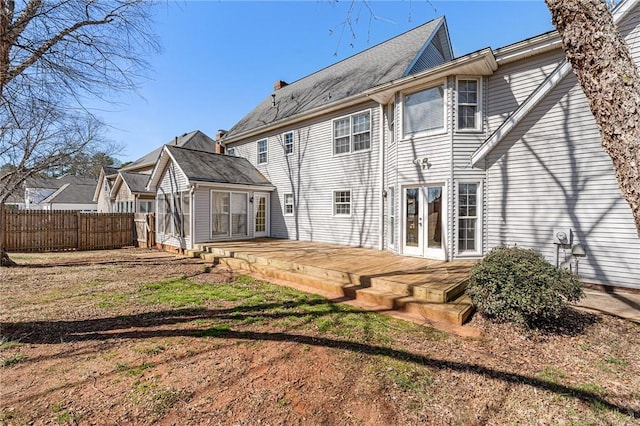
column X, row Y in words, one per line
column 381, row 144
column 192, row 235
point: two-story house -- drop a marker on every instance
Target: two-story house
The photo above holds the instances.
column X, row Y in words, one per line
column 406, row 148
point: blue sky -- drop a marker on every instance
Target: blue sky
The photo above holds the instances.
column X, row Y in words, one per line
column 220, row 58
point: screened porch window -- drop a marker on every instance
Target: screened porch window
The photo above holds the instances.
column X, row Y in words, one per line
column 467, row 217
column 423, row 111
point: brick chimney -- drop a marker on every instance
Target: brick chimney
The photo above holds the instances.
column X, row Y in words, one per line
column 279, row 84
column 219, row 135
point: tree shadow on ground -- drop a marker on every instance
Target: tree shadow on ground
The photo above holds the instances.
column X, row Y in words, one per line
column 154, row 325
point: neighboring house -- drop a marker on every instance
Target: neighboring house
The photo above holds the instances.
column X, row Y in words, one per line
column 62, row 193
column 112, row 196
column 404, row 148
column 129, row 193
column 102, row 191
column 227, row 195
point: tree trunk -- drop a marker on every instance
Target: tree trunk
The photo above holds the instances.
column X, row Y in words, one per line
column 5, row 260
column 610, row 80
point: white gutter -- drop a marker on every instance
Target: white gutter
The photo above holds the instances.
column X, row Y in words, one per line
column 381, row 179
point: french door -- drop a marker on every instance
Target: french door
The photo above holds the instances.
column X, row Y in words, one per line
column 424, row 227
column 261, row 214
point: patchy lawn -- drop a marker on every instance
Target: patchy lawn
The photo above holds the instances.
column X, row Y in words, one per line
column 142, row 337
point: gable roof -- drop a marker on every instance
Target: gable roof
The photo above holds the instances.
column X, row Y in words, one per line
column 424, row 46
column 195, row 139
column 558, row 74
column 108, row 173
column 208, row 167
column 72, row 193
column 136, row 182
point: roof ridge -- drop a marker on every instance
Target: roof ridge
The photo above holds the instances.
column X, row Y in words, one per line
column 368, row 49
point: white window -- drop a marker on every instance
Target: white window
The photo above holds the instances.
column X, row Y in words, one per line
column 342, row 203
column 219, row 214
column 468, row 104
column 288, row 204
column 229, row 213
column 423, row 111
column 262, row 151
column 391, row 208
column 145, row 206
column 468, row 211
column 231, row 152
column 351, row 134
column 288, row 143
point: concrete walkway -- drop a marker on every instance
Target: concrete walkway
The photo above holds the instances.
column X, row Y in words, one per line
column 623, row 305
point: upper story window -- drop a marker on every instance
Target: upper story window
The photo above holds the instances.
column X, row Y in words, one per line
column 288, row 143
column 352, row 133
column 262, row 151
column 423, row 111
column 231, row 152
column 468, row 104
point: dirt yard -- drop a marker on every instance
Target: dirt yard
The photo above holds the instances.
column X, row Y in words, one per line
column 143, row 337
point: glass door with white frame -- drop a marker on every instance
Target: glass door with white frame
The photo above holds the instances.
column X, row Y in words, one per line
column 261, row 214
column 424, row 221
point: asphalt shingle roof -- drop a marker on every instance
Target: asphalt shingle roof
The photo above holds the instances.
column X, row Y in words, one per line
column 380, row 64
column 203, row 166
column 136, row 182
column 74, row 194
column 195, row 140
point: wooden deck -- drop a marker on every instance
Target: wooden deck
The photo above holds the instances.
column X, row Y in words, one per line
column 428, row 288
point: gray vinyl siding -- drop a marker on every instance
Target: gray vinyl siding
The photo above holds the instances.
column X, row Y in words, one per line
column 202, row 215
column 512, row 83
column 312, row 173
column 551, row 171
column 433, row 54
column 173, row 181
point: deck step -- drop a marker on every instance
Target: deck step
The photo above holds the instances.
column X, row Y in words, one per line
column 336, row 289
column 455, row 312
column 441, row 293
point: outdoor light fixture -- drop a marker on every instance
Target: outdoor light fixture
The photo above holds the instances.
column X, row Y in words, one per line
column 251, row 200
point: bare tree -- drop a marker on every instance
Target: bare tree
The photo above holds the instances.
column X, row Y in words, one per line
column 55, row 57
column 601, row 60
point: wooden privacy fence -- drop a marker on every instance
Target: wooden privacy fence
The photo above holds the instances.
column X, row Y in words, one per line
column 57, row 230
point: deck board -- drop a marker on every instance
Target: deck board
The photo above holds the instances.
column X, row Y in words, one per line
column 363, row 262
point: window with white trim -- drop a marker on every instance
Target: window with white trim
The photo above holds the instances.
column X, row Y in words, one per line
column 342, row 203
column 288, row 204
column 423, row 111
column 288, row 143
column 231, row 152
column 145, row 206
column 262, row 151
column 353, row 133
column 174, row 214
column 468, row 104
column 229, row 213
column 468, row 217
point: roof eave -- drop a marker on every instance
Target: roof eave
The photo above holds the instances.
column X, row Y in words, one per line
column 529, row 47
column 312, row 113
column 481, row 62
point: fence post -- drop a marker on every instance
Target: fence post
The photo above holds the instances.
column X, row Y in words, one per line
column 78, row 230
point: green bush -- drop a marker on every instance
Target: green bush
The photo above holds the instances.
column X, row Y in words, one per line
column 519, row 286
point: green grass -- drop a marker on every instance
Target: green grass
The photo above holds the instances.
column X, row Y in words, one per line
column 12, row 360
column 551, row 374
column 9, row 344
column 133, row 370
